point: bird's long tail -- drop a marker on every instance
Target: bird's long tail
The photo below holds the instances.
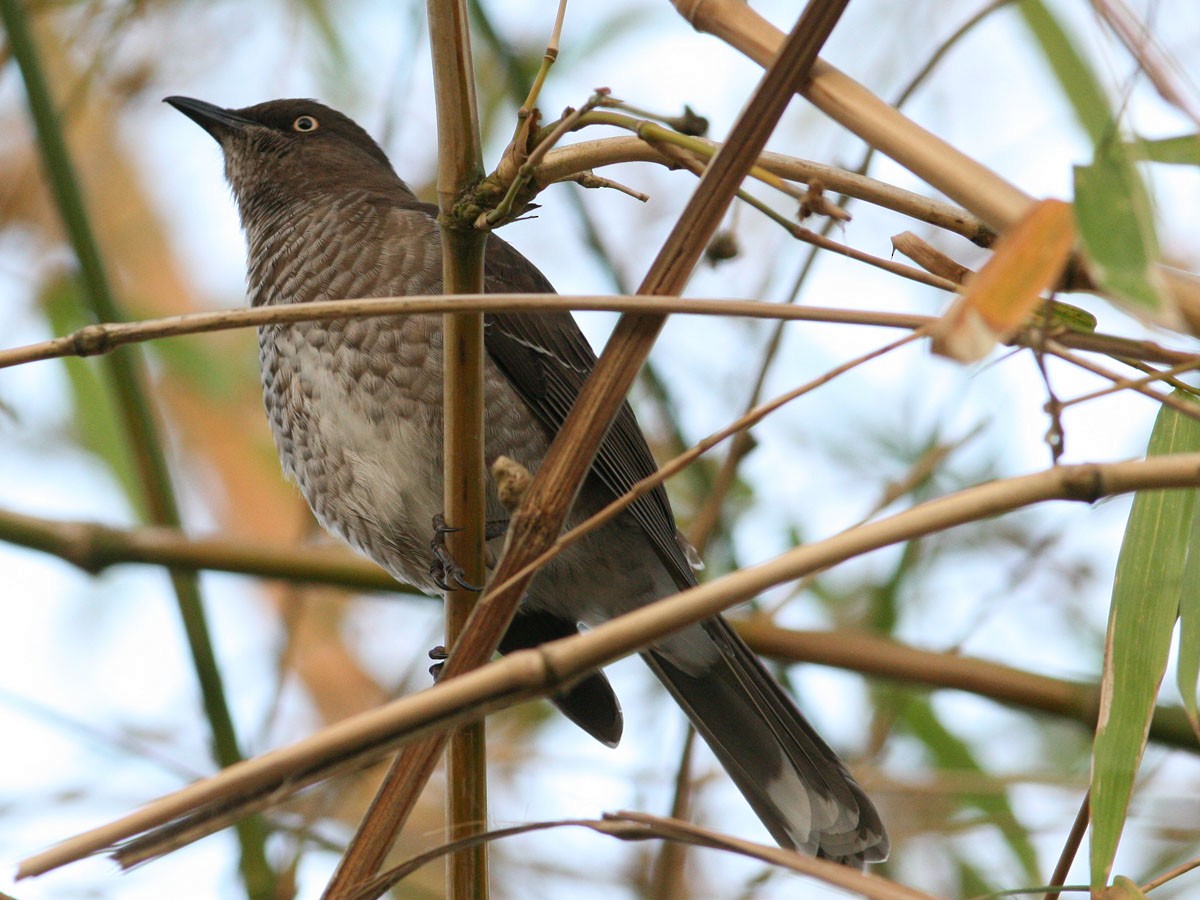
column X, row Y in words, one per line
column 796, row 784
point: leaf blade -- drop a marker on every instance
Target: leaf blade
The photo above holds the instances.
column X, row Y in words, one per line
column 1145, row 605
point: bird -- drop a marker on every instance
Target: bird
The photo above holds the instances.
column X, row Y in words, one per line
column 355, row 407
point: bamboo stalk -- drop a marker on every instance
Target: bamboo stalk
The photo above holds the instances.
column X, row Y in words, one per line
column 460, row 164
column 530, row 673
column 94, row 340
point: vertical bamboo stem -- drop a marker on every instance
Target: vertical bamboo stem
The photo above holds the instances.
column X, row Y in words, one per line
column 460, row 164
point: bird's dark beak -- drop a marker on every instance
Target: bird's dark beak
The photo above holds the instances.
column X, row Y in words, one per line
column 213, row 119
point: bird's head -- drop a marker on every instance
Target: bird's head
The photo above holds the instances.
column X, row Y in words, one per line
column 290, row 149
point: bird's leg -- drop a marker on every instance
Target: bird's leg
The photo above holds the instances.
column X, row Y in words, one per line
column 445, row 568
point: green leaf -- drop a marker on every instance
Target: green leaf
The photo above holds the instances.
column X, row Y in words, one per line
column 1183, row 150
column 953, row 754
column 1145, row 604
column 1123, row 889
column 94, row 414
column 1083, row 89
column 1116, row 227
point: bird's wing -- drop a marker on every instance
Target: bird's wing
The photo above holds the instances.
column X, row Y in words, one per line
column 547, row 359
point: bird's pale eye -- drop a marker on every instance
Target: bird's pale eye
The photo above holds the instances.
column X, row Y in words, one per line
column 305, row 124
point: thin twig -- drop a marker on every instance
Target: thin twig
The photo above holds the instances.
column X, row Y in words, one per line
column 651, row 143
column 673, row 466
column 1071, row 847
column 1170, row 875
column 1121, row 384
column 93, row 340
column 638, row 826
column 1188, row 408
column 819, row 239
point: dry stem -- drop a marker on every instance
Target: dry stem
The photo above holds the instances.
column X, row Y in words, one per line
column 530, row 673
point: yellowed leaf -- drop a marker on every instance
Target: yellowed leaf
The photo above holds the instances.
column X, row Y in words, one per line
column 999, row 298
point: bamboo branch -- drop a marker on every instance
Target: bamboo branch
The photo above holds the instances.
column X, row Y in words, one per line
column 460, row 166
column 94, row 547
column 881, row 657
column 566, row 163
column 964, row 180
column 529, row 673
column 102, row 338
column 674, row 832
column 93, row 340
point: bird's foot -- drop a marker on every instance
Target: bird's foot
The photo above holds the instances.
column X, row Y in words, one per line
column 439, row 654
column 445, row 568
column 447, row 574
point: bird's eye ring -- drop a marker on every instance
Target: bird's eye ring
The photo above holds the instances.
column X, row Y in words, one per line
column 305, row 124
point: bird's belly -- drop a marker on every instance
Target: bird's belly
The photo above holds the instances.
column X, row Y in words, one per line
column 356, row 415
column 356, row 419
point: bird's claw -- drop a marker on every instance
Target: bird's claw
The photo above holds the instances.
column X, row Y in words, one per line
column 440, row 655
column 445, row 571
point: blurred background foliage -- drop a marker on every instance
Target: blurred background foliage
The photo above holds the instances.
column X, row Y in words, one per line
column 97, row 699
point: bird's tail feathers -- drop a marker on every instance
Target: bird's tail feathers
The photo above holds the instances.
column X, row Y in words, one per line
column 796, row 784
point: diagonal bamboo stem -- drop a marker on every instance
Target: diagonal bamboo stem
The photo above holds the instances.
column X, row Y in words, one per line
column 526, row 674
column 546, row 504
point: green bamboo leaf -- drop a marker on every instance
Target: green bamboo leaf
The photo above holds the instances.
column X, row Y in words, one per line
column 953, row 754
column 1145, row 604
column 1182, row 150
column 94, row 414
column 1116, row 226
column 1075, row 76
